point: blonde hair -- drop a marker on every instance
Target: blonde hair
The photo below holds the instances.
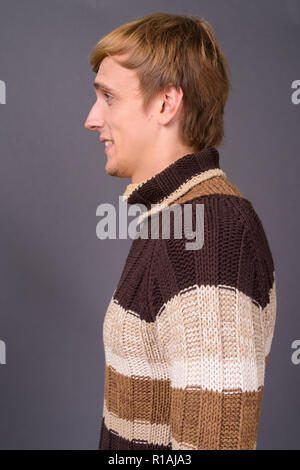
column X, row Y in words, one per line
column 166, row 48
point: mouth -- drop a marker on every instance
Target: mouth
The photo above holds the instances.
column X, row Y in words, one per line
column 108, row 143
column 108, row 146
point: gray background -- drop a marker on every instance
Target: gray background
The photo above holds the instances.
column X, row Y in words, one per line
column 56, row 276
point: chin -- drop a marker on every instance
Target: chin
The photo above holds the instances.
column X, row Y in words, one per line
column 117, row 170
column 112, row 171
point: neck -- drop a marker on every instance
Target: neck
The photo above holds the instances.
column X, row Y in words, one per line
column 156, row 165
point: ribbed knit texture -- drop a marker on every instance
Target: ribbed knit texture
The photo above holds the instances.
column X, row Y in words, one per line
column 187, row 333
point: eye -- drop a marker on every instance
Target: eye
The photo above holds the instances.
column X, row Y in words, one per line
column 107, row 95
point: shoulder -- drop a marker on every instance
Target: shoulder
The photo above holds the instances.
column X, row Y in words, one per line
column 213, row 247
column 217, row 217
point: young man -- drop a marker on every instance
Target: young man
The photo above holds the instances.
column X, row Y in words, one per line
column 187, row 333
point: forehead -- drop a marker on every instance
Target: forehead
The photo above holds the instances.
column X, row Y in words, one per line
column 117, row 77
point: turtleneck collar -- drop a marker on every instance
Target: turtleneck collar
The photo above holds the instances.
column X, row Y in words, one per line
column 175, row 180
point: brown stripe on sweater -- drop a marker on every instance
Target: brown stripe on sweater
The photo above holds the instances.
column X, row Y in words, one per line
column 215, row 185
column 233, row 412
column 150, row 410
column 231, row 419
column 250, row 413
column 126, row 389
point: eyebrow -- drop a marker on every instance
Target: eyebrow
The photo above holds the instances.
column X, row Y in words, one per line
column 103, row 87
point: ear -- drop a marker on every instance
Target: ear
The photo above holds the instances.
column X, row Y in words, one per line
column 171, row 100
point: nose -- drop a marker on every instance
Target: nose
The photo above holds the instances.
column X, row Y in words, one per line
column 94, row 121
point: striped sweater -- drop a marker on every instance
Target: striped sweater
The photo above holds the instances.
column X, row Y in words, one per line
column 187, row 333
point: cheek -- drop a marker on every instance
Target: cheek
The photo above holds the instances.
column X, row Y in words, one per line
column 128, row 125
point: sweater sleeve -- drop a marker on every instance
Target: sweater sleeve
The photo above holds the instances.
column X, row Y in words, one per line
column 214, row 328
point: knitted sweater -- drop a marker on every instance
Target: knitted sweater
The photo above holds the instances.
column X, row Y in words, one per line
column 187, row 333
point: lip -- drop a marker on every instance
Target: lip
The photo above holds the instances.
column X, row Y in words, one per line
column 108, row 149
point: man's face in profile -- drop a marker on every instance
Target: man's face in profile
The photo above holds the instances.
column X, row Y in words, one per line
column 117, row 114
